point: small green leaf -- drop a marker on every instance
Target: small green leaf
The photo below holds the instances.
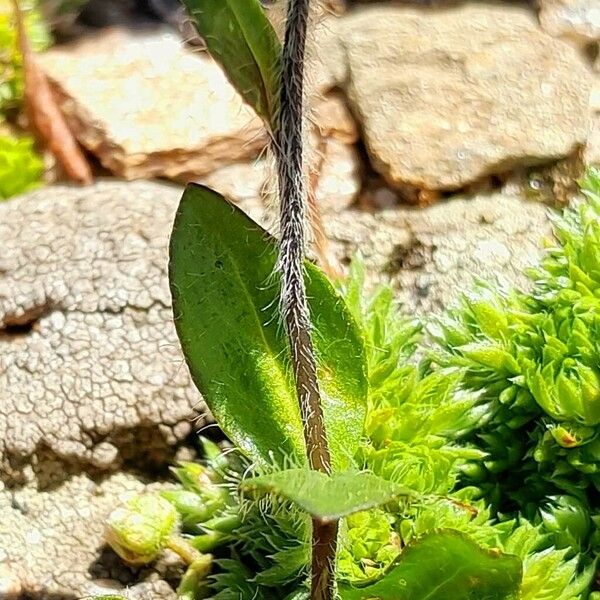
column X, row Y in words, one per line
column 240, row 37
column 324, row 497
column 444, row 565
column 225, row 297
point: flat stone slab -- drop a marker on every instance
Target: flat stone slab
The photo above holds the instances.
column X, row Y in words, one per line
column 446, row 97
column 147, row 107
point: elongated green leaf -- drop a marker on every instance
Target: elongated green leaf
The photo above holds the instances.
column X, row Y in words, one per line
column 445, row 565
column 327, row 498
column 240, row 37
column 225, row 300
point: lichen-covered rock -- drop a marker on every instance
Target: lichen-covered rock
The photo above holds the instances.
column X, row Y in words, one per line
column 446, row 97
column 147, row 107
column 90, row 366
column 52, row 545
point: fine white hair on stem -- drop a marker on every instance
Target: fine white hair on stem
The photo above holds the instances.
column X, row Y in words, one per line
column 288, row 146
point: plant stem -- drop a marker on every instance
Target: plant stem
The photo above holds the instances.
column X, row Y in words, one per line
column 187, row 552
column 294, row 305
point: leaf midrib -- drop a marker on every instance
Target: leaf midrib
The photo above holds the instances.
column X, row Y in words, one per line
column 258, row 323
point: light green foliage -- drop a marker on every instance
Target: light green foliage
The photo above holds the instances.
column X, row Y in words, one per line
column 370, row 544
column 444, row 565
column 414, row 419
column 327, row 498
column 21, row 168
column 225, row 291
column 534, row 360
column 239, row 36
column 547, row 574
column 11, row 76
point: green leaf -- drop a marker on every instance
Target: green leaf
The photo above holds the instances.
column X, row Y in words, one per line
column 239, row 36
column 225, row 298
column 444, row 565
column 327, row 498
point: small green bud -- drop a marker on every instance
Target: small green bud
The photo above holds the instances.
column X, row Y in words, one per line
column 193, row 508
column 201, row 480
column 508, row 395
column 571, row 435
column 139, row 530
column 492, row 321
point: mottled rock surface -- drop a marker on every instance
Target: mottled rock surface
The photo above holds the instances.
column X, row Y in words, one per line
column 433, row 255
column 146, row 107
column 448, row 96
column 578, row 20
column 90, row 367
column 51, row 542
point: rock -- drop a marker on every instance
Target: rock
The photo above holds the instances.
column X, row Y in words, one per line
column 51, row 542
column 336, row 164
column 339, row 176
column 446, row 97
column 577, row 20
column 554, row 184
column 242, row 183
column 592, row 150
column 433, row 255
column 90, row 366
column 146, row 107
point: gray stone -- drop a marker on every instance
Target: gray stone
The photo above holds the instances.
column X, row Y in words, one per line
column 90, row 366
column 433, row 255
column 52, row 542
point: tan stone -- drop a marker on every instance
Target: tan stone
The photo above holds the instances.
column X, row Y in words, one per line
column 447, row 97
column 577, row 20
column 592, row 150
column 146, row 107
column 591, row 153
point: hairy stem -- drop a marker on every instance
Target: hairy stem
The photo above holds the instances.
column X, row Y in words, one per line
column 294, row 305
